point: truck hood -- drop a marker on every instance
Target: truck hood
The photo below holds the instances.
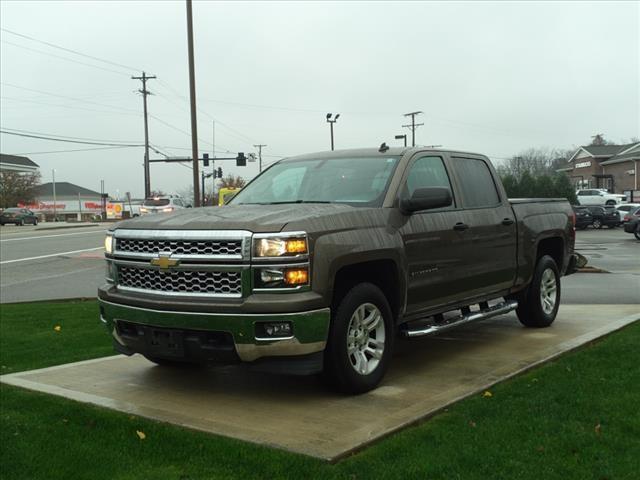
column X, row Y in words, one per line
column 255, row 218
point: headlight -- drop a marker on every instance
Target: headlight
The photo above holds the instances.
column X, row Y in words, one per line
column 280, row 246
column 108, row 244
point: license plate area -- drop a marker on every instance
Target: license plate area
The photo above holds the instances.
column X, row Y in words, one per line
column 165, row 343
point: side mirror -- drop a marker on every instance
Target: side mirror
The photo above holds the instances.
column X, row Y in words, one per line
column 426, row 199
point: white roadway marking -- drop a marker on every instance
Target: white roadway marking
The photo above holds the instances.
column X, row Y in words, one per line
column 50, row 255
column 50, row 236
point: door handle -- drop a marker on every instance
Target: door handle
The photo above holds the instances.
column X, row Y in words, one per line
column 460, row 227
column 508, row 221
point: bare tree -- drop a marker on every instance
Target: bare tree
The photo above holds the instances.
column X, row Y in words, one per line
column 232, row 182
column 535, row 161
column 17, row 188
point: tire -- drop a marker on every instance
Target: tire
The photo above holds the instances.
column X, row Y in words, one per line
column 610, row 202
column 165, row 362
column 636, row 232
column 35, row 221
column 538, row 306
column 597, row 223
column 354, row 361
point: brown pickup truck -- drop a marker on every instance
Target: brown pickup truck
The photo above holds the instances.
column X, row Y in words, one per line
column 322, row 260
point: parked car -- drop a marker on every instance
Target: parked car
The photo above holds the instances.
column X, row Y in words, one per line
column 18, row 216
column 604, row 216
column 626, row 208
column 583, row 217
column 162, row 204
column 632, row 223
column 599, row 197
column 317, row 263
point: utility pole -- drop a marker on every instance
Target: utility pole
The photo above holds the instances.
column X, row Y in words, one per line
column 145, row 92
column 259, row 147
column 192, row 95
column 413, row 126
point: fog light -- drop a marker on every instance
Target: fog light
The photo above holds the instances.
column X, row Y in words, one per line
column 268, row 276
column 296, row 276
column 273, row 330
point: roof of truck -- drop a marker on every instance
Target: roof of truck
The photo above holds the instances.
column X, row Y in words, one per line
column 374, row 152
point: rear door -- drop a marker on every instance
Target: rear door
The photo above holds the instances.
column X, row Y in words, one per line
column 489, row 225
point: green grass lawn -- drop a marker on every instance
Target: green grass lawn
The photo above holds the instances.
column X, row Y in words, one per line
column 575, row 418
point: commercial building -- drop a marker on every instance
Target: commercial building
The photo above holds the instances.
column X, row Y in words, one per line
column 66, row 202
column 612, row 167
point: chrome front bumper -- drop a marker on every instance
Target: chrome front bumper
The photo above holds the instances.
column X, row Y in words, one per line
column 310, row 328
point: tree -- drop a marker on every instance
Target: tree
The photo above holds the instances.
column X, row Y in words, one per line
column 536, row 161
column 544, row 187
column 16, row 187
column 564, row 189
column 232, row 182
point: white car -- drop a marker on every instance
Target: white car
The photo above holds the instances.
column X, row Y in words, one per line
column 165, row 204
column 595, row 196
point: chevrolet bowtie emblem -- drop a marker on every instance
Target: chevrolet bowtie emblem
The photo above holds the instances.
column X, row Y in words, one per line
column 165, row 262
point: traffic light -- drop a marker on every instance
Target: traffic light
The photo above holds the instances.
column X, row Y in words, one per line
column 219, row 172
column 241, row 160
column 205, row 159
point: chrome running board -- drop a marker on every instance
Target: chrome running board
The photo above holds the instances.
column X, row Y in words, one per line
column 488, row 312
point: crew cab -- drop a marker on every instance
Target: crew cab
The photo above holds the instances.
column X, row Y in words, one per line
column 323, row 259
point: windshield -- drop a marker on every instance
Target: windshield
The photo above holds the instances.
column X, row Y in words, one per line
column 358, row 181
column 156, row 202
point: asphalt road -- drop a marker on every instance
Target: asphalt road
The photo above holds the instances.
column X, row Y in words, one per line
column 40, row 264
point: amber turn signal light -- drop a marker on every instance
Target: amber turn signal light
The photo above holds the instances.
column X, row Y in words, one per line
column 296, row 276
column 297, row 245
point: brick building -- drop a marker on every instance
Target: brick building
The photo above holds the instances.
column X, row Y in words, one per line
column 614, row 167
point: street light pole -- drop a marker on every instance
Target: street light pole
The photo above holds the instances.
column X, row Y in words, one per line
column 398, row 137
column 55, row 212
column 331, row 122
column 194, row 122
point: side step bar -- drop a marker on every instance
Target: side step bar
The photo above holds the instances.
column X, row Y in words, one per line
column 489, row 312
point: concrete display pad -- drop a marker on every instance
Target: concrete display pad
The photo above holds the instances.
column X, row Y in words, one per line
column 298, row 413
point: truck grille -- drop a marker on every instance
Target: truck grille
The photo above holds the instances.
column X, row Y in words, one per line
column 206, row 282
column 179, row 247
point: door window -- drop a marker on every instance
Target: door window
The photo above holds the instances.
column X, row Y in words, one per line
column 427, row 172
column 476, row 183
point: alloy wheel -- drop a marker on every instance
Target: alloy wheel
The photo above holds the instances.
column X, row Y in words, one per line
column 365, row 338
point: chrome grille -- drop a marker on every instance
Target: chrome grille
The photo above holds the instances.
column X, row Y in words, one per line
column 205, row 282
column 179, row 247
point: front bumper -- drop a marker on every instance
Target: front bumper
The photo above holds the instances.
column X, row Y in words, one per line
column 309, row 330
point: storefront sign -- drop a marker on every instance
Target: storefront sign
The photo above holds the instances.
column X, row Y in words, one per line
column 583, row 164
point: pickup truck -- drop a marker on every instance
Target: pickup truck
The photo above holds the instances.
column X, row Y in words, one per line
column 323, row 260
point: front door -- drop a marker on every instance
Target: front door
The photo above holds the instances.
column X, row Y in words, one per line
column 432, row 246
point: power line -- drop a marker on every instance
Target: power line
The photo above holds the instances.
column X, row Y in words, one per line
column 53, row 45
column 67, row 106
column 69, row 98
column 70, row 151
column 42, row 137
column 62, row 58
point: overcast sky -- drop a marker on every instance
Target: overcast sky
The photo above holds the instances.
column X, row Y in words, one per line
column 491, row 77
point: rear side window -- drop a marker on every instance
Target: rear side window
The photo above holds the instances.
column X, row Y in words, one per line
column 476, row 183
